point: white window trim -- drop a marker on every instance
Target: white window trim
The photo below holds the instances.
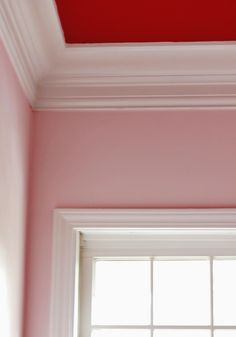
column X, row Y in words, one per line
column 207, row 229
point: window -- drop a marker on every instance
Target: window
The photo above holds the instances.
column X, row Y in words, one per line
column 118, row 274
column 158, row 296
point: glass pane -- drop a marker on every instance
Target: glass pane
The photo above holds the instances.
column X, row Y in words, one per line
column 120, row 333
column 225, row 333
column 182, row 292
column 121, row 293
column 224, row 292
column 182, row 333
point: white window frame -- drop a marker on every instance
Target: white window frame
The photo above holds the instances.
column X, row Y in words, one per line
column 174, row 232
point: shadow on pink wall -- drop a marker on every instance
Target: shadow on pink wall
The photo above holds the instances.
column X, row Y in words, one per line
column 15, row 125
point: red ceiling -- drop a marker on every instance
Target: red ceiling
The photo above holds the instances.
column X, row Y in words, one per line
column 97, row 21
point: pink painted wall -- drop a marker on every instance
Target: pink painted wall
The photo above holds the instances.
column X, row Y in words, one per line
column 121, row 159
column 15, row 124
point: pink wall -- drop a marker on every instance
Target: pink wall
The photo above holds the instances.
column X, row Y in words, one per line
column 15, row 123
column 122, row 159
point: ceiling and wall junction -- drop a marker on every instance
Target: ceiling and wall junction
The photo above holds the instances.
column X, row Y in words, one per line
column 144, row 73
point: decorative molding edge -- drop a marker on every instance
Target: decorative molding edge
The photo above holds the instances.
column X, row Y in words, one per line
column 135, row 218
column 113, row 93
column 69, row 222
column 141, row 76
column 32, row 36
column 56, row 76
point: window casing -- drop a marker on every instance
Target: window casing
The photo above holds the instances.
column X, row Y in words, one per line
column 157, row 233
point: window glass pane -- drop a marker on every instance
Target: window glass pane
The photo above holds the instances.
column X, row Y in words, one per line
column 224, row 292
column 182, row 292
column 225, row 333
column 121, row 293
column 120, row 333
column 182, row 333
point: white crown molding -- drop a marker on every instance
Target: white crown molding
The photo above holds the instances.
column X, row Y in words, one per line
column 56, row 76
column 32, row 36
column 141, row 76
column 133, row 93
column 213, row 229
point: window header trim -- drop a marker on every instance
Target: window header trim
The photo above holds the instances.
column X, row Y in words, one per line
column 175, row 226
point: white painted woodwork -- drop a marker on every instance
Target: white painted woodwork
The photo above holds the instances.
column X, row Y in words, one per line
column 120, row 231
column 58, row 76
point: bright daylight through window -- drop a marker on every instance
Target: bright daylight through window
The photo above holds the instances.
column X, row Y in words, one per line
column 144, row 273
column 160, row 297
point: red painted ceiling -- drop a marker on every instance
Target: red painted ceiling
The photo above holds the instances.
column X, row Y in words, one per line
column 97, row 21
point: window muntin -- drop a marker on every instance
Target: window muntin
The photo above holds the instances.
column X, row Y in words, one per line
column 193, row 314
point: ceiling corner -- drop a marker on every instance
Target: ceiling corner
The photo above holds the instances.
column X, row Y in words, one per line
column 32, row 36
column 57, row 76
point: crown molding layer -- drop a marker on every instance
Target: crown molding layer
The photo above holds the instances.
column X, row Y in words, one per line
column 141, row 76
column 32, row 36
column 63, row 77
column 122, row 93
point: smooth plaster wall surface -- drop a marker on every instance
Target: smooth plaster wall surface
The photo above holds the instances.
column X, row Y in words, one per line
column 121, row 159
column 15, row 124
